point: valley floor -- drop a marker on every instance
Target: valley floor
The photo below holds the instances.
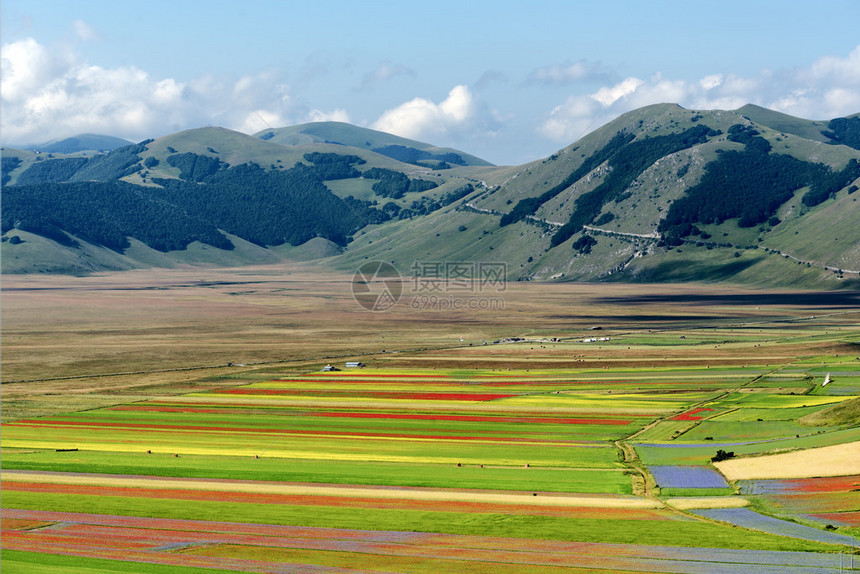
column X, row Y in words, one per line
column 180, row 422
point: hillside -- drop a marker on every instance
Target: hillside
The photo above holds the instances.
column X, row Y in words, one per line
column 660, row 194
column 597, row 210
column 395, row 147
column 206, row 187
column 83, row 143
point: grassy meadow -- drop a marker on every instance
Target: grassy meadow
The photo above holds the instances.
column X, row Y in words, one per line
column 179, row 421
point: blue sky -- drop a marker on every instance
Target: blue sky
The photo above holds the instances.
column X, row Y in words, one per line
column 507, row 81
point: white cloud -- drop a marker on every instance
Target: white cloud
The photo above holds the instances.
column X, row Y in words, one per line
column 846, row 71
column 420, row 117
column 711, row 82
column 567, row 73
column 47, row 95
column 827, row 89
column 386, row 71
column 337, row 115
column 84, row 31
column 609, row 95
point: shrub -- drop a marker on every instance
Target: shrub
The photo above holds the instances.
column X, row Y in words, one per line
column 722, row 455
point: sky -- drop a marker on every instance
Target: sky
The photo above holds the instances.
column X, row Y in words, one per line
column 507, row 81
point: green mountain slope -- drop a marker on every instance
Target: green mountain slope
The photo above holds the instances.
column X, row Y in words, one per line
column 809, row 129
column 661, row 193
column 82, row 143
column 783, row 241
column 401, row 149
column 203, row 186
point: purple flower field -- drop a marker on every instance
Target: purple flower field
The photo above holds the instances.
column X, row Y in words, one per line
column 746, row 518
column 671, row 476
column 750, row 487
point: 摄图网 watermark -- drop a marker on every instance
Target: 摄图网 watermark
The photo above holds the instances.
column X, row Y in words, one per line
column 432, row 285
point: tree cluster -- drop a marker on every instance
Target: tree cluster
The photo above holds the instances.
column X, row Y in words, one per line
column 627, row 164
column 104, row 167
column 750, row 185
column 584, row 244
column 530, row 205
column 829, row 182
column 395, row 184
column 193, row 167
column 367, row 211
column 427, row 205
column 51, row 170
column 114, row 165
column 845, row 131
column 263, row 207
column 416, row 156
column 7, row 165
column 104, row 213
column 331, row 166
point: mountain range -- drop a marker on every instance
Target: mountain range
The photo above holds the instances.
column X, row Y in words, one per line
column 662, row 193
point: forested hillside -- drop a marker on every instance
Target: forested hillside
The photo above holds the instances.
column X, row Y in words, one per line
column 659, row 194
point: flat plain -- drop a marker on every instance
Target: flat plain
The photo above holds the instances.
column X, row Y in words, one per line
column 179, row 421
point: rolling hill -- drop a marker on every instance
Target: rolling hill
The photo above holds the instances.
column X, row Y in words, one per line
column 395, row 147
column 661, row 193
column 86, row 143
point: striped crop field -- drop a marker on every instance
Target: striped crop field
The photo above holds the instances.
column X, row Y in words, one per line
column 105, row 542
column 403, row 470
column 831, row 500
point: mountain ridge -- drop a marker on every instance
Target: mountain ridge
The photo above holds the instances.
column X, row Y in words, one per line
column 393, row 146
column 593, row 211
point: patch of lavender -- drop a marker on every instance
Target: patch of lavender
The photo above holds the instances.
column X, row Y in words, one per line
column 750, row 487
column 671, row 476
column 746, row 518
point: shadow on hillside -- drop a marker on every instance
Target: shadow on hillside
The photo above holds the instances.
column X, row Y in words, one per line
column 832, row 299
column 689, row 271
column 686, row 270
column 641, row 318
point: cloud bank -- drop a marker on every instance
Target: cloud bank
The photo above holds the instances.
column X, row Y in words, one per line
column 568, row 73
column 49, row 95
column 827, row 89
column 420, row 117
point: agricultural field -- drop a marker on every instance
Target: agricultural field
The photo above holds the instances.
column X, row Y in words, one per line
column 539, row 453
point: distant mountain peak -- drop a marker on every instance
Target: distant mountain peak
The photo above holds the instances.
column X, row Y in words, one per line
column 396, row 147
column 81, row 143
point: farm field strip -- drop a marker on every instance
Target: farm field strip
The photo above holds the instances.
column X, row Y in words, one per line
column 499, row 477
column 703, row 502
column 22, row 480
column 487, row 435
column 366, row 413
column 681, row 530
column 405, row 451
column 747, row 518
column 189, row 542
column 834, row 460
column 846, row 518
column 800, row 485
column 686, row 477
column 811, row 503
column 568, row 402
